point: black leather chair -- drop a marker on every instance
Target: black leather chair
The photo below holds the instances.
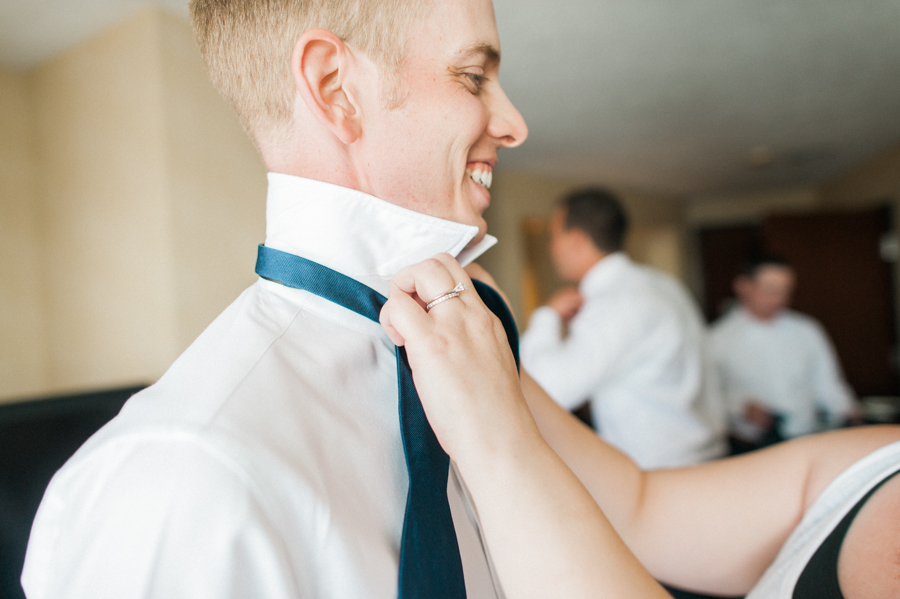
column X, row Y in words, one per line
column 36, row 439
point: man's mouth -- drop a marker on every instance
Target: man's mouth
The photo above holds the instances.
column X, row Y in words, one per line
column 482, row 174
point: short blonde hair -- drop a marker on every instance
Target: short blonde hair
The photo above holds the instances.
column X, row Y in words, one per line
column 247, row 47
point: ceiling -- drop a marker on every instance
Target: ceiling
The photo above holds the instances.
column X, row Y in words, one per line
column 682, row 98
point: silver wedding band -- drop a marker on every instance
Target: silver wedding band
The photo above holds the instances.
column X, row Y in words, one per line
column 445, row 296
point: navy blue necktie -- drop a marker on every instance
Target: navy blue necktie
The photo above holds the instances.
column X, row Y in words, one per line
column 430, row 566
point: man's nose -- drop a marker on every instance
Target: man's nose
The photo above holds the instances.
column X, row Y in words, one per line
column 506, row 124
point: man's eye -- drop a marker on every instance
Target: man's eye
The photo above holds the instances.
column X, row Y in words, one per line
column 476, row 80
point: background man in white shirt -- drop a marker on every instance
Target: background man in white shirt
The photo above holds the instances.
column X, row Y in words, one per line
column 267, row 462
column 777, row 367
column 635, row 346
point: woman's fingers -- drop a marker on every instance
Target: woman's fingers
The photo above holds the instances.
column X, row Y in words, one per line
column 475, row 271
column 458, row 352
column 426, row 280
column 457, row 272
column 404, row 315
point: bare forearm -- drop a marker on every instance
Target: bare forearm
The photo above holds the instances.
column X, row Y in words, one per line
column 714, row 527
column 553, row 526
column 611, row 477
column 679, row 523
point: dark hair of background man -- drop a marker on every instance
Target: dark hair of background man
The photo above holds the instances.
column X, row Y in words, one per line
column 599, row 214
column 759, row 261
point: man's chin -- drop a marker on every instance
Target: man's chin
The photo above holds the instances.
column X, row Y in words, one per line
column 482, row 231
column 468, row 216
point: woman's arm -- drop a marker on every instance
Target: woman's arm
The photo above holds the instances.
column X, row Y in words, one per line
column 547, row 535
column 714, row 527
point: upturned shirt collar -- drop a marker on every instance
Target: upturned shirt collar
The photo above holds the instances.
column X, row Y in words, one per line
column 603, row 274
column 357, row 234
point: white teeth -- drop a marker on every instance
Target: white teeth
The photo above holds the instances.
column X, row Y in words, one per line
column 484, row 177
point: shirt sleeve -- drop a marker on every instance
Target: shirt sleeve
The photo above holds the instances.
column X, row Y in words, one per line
column 164, row 521
column 733, row 393
column 718, row 344
column 569, row 369
column 832, row 393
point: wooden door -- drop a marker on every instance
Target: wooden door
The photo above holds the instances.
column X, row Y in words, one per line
column 724, row 251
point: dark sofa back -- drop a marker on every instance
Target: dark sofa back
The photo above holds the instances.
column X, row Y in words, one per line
column 36, row 439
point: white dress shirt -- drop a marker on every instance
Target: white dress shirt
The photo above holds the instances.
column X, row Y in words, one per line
column 636, row 351
column 267, row 461
column 787, row 364
column 820, row 520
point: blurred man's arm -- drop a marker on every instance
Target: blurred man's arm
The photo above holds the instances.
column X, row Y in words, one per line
column 759, row 414
column 749, row 416
column 570, row 367
column 832, row 392
column 566, row 302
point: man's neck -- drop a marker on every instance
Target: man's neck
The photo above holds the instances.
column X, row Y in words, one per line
column 591, row 260
column 314, row 155
column 763, row 318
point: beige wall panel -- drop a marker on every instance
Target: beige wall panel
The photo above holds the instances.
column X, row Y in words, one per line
column 110, row 298
column 725, row 209
column 874, row 181
column 23, row 365
column 659, row 246
column 217, row 187
column 514, row 198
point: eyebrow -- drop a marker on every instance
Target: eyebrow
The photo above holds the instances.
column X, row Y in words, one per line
column 490, row 53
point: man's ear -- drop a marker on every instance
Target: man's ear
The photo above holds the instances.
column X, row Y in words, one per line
column 320, row 66
column 741, row 285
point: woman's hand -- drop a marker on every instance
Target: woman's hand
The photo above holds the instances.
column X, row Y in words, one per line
column 547, row 536
column 462, row 365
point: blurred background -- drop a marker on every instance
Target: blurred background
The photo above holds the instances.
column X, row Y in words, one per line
column 131, row 203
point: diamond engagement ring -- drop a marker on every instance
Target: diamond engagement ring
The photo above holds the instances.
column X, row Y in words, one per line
column 445, row 296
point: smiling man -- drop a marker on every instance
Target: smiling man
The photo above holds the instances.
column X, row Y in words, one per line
column 268, row 461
